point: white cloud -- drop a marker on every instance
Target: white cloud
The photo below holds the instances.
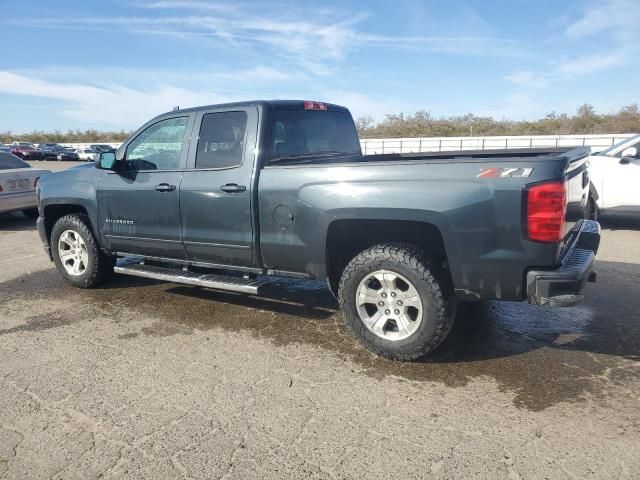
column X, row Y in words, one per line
column 593, row 63
column 611, row 26
column 121, row 106
column 613, row 17
column 528, row 79
column 316, row 39
column 106, row 104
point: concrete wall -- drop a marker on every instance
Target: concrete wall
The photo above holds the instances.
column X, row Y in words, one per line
column 372, row 146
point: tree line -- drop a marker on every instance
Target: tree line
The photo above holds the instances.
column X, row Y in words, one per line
column 421, row 124
column 69, row 136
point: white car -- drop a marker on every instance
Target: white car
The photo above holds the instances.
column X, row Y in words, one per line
column 615, row 176
column 87, row 154
column 18, row 181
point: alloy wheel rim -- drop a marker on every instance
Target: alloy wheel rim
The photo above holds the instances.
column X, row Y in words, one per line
column 389, row 305
column 73, row 254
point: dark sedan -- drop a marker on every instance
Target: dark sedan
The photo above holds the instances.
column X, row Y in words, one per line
column 52, row 150
column 67, row 154
column 26, row 152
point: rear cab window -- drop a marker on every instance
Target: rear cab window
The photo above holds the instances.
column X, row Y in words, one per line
column 298, row 132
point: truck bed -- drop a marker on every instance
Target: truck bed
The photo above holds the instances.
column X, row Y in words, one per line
column 474, row 199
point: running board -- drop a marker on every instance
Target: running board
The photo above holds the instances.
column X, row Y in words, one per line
column 176, row 275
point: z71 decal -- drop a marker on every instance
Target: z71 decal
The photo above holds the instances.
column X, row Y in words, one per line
column 504, row 172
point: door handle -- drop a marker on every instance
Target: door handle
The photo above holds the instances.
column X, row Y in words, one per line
column 165, row 187
column 233, row 188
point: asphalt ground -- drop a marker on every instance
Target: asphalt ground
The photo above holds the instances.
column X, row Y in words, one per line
column 156, row 380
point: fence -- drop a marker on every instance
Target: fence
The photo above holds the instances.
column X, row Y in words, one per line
column 373, row 146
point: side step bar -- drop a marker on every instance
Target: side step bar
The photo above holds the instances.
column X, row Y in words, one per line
column 176, row 275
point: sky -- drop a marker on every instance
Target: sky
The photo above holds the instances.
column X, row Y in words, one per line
column 113, row 64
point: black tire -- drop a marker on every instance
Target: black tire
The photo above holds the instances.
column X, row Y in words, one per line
column 433, row 288
column 31, row 212
column 99, row 267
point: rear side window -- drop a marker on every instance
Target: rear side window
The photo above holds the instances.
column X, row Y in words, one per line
column 310, row 132
column 221, row 140
column 8, row 161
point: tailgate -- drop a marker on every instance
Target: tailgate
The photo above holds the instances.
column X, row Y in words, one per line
column 577, row 172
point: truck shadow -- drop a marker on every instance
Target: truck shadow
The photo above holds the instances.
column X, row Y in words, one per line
column 16, row 222
column 542, row 355
column 623, row 223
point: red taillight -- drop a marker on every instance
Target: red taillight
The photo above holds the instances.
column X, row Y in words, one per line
column 546, row 207
column 314, row 106
column 35, row 182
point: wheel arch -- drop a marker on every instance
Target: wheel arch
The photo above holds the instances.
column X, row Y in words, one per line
column 54, row 212
column 346, row 238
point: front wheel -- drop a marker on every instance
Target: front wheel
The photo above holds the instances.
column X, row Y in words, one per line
column 395, row 302
column 76, row 253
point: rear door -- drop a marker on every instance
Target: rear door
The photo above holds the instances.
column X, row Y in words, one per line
column 215, row 194
column 139, row 204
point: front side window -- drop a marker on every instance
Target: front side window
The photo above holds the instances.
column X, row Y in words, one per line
column 221, row 140
column 159, row 146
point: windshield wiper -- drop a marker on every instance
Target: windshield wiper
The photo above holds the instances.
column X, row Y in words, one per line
column 310, row 156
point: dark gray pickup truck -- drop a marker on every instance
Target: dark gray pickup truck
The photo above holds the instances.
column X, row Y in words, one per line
column 220, row 196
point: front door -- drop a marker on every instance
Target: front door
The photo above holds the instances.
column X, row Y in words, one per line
column 139, row 203
column 620, row 187
column 215, row 195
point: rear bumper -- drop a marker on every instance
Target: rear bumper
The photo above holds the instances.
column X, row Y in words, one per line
column 15, row 202
column 562, row 286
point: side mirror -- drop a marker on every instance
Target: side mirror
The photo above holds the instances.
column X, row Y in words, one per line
column 629, row 154
column 106, row 160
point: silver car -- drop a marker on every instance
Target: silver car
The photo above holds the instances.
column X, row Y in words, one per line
column 18, row 181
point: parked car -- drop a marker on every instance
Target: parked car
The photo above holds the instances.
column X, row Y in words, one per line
column 26, row 151
column 615, row 176
column 281, row 188
column 87, row 154
column 18, row 182
column 49, row 150
column 100, row 147
column 67, row 154
column 5, row 148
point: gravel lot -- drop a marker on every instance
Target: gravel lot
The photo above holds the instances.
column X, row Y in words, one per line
column 151, row 380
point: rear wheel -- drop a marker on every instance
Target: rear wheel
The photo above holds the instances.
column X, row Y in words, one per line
column 394, row 303
column 76, row 253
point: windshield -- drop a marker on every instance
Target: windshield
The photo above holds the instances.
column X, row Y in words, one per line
column 607, row 151
column 8, row 161
column 312, row 132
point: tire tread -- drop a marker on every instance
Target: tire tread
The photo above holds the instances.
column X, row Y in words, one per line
column 101, row 265
column 436, row 287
